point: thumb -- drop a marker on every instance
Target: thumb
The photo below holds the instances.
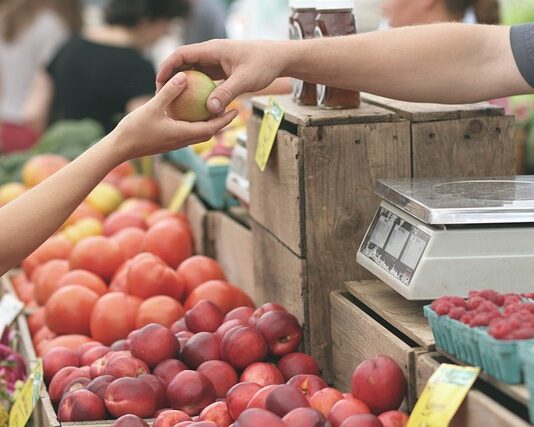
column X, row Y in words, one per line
column 172, row 89
column 226, row 92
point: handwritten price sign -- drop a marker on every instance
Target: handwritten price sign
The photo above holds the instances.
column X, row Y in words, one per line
column 269, row 128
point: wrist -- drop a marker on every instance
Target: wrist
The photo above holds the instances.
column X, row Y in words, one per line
column 113, row 150
column 294, row 55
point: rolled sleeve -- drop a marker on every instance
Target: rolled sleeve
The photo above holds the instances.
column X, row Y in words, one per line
column 522, row 40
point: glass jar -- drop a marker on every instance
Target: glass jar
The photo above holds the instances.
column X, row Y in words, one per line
column 301, row 27
column 335, row 18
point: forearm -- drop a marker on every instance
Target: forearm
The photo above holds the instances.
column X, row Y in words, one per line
column 447, row 63
column 29, row 220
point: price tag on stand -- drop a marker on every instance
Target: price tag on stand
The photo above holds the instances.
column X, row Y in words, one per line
column 10, row 308
column 269, row 128
column 27, row 397
column 443, row 395
column 183, row 192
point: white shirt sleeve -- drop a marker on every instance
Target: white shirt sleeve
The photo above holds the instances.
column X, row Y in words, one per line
column 49, row 34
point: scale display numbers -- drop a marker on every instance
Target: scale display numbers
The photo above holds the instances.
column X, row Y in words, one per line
column 395, row 245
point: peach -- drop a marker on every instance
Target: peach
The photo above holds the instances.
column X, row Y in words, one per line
column 140, row 206
column 265, row 308
column 84, row 278
column 239, row 396
column 199, row 269
column 239, row 313
column 100, row 384
column 297, row 363
column 118, row 221
column 258, row 417
column 262, row 373
column 380, row 383
column 87, row 346
column 258, row 400
column 324, row 399
column 222, row 375
column 284, row 398
column 362, row 420
column 76, row 384
column 218, row 413
column 81, row 405
column 62, row 378
column 130, row 420
column 46, row 278
column 168, row 369
column 125, row 367
column 228, row 326
column 119, row 345
column 203, row 317
column 200, row 348
column 170, row 417
column 160, row 309
column 93, row 354
column 191, row 105
column 97, row 254
column 130, row 396
column 281, row 330
column 344, row 409
column 179, row 326
column 58, row 358
column 190, row 392
column 153, row 344
column 304, row 417
column 130, row 240
column 158, row 387
column 139, row 186
column 394, row 419
column 242, row 346
column 307, row 384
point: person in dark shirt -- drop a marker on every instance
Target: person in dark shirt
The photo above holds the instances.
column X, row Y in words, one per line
column 102, row 74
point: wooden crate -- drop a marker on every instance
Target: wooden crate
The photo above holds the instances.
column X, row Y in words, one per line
column 316, row 199
column 359, row 332
column 483, row 406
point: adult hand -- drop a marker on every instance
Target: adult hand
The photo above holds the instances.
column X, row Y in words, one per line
column 148, row 129
column 244, row 66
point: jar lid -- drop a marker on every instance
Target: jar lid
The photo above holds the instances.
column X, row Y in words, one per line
column 334, row 4
column 302, row 4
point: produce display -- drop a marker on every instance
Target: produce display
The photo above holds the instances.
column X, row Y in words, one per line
column 487, row 329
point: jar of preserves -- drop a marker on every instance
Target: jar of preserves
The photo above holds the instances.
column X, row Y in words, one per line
column 335, row 18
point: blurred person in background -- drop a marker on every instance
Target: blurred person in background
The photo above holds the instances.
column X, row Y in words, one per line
column 206, row 21
column 103, row 74
column 31, row 32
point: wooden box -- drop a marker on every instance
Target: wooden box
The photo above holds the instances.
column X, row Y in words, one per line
column 313, row 203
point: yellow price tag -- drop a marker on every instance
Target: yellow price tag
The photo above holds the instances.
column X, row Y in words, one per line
column 147, row 166
column 183, row 191
column 27, row 397
column 443, row 395
column 269, row 128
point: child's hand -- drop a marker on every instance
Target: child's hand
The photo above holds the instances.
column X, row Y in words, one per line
column 148, row 130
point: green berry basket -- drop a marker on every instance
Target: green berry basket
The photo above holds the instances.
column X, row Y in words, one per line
column 526, row 351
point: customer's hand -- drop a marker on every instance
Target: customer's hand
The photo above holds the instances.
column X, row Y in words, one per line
column 148, row 129
column 245, row 66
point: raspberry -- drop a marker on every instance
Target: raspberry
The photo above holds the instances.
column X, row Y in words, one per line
column 456, row 312
column 480, row 319
column 458, row 301
column 511, row 309
column 511, row 299
column 529, row 306
column 439, row 301
column 474, row 301
column 488, row 294
column 466, row 318
column 443, row 307
column 524, row 333
column 486, row 306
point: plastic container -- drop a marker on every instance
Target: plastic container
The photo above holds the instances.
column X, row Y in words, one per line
column 526, row 351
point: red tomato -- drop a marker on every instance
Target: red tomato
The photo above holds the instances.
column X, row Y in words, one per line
column 84, row 278
column 224, row 295
column 200, row 269
column 169, row 240
column 97, row 254
column 47, row 277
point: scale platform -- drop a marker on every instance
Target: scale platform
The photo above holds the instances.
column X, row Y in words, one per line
column 434, row 237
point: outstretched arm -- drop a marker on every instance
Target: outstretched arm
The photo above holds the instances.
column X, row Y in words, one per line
column 29, row 220
column 446, row 63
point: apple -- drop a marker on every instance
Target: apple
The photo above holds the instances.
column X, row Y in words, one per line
column 380, row 383
column 324, row 399
column 307, row 384
column 200, row 348
column 170, row 417
column 130, row 396
column 362, row 420
column 281, row 330
column 130, row 421
column 344, row 409
column 153, row 344
column 262, row 373
column 298, row 363
column 57, row 359
column 190, row 392
column 242, row 346
column 284, row 398
column 258, row 417
column 81, row 405
column 304, row 417
column 265, row 308
column 259, row 399
column 168, row 369
column 394, row 419
column 203, row 317
column 218, row 413
column 222, row 375
column 239, row 396
column 158, row 387
column 191, row 105
column 99, row 385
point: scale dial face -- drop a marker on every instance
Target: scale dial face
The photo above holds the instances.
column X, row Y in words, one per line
column 395, row 245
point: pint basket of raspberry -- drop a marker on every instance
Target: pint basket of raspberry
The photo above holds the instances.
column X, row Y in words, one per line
column 486, row 329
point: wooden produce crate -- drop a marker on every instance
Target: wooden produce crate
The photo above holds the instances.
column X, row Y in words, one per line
column 313, row 203
column 484, row 405
column 368, row 321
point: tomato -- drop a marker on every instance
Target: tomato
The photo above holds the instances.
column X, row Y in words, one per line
column 36, row 320
column 130, row 240
column 139, row 186
column 160, row 309
column 72, row 342
column 162, row 214
column 68, row 310
column 169, row 240
column 97, row 254
column 118, row 221
column 56, row 247
column 200, row 269
column 123, row 170
column 149, row 276
column 81, row 212
column 113, row 317
column 47, row 278
column 142, row 207
column 221, row 293
column 84, row 278
column 119, row 281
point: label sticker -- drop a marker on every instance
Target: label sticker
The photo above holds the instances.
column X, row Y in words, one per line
column 268, row 130
column 183, row 192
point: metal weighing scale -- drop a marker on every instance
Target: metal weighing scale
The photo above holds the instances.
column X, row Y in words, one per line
column 435, row 237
